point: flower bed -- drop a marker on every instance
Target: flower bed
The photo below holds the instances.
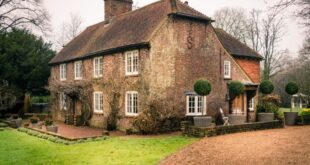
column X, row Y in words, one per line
column 190, row 130
column 58, row 139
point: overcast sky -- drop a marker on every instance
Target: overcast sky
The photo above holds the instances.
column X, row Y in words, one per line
column 92, row 11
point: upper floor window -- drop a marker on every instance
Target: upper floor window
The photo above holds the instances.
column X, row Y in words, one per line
column 132, row 62
column 196, row 105
column 78, row 70
column 98, row 102
column 63, row 72
column 98, row 67
column 131, row 107
column 227, row 69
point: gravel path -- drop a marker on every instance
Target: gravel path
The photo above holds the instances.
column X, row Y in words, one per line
column 279, row 146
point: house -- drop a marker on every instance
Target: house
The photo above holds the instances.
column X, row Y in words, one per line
column 150, row 55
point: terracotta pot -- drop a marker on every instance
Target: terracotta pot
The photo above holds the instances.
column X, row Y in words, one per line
column 265, row 117
column 290, row 118
column 203, row 121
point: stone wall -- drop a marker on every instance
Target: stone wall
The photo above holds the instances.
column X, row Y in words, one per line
column 190, row 130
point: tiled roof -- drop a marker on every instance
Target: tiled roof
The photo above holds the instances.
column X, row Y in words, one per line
column 235, row 47
column 129, row 29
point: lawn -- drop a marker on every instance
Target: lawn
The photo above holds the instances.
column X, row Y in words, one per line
column 20, row 148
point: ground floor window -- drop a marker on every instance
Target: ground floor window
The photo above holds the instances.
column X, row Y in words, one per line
column 131, row 107
column 252, row 104
column 98, row 102
column 62, row 101
column 196, row 105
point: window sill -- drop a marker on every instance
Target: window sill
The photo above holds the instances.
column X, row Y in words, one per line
column 131, row 115
column 227, row 78
column 196, row 115
column 63, row 79
column 98, row 112
column 132, row 74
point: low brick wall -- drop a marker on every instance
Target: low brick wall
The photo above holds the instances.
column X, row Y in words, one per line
column 190, row 130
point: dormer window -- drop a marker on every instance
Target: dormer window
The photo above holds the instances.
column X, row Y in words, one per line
column 78, row 70
column 132, row 62
column 63, row 72
column 227, row 70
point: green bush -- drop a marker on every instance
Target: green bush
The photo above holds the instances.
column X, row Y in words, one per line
column 266, row 87
column 202, row 87
column 305, row 111
column 269, row 107
column 236, row 88
column 291, row 88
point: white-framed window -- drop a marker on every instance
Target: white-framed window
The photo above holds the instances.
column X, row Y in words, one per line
column 98, row 102
column 62, row 101
column 227, row 69
column 131, row 103
column 98, row 67
column 63, row 72
column 132, row 62
column 195, row 105
column 78, row 70
column 252, row 104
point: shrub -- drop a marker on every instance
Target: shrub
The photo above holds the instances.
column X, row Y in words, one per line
column 305, row 111
column 266, row 87
column 202, row 87
column 268, row 107
column 148, row 122
column 34, row 120
column 291, row 88
column 236, row 88
column 273, row 98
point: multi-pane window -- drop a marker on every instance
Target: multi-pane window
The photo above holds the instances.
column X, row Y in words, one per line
column 63, row 72
column 132, row 62
column 227, row 69
column 62, row 101
column 131, row 106
column 78, row 70
column 98, row 102
column 196, row 105
column 98, row 67
column 251, row 104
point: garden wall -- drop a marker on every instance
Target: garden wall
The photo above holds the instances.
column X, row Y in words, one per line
column 190, row 130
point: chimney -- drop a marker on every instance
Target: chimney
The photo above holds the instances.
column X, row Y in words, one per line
column 114, row 8
column 186, row 2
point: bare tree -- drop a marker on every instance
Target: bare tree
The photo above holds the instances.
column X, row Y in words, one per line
column 23, row 13
column 69, row 30
column 233, row 21
column 253, row 30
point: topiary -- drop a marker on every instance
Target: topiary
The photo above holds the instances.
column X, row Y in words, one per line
column 236, row 88
column 291, row 88
column 266, row 87
column 202, row 87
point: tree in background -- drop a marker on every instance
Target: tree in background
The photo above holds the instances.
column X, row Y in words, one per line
column 69, row 30
column 261, row 31
column 24, row 62
column 23, row 14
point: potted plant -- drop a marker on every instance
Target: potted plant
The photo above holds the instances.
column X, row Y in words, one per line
column 236, row 88
column 267, row 108
column 290, row 117
column 203, row 88
column 49, row 124
column 305, row 116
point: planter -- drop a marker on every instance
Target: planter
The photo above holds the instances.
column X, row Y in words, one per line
column 204, row 121
column 265, row 117
column 52, row 128
column 37, row 125
column 290, row 118
column 306, row 119
column 236, row 119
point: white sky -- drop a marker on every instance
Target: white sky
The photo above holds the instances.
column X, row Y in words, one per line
column 92, row 11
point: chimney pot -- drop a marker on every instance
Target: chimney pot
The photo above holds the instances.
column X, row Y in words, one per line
column 114, row 8
column 186, row 2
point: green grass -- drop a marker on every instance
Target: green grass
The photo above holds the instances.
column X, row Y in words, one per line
column 20, row 148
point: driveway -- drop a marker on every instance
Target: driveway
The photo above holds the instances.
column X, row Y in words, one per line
column 290, row 145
